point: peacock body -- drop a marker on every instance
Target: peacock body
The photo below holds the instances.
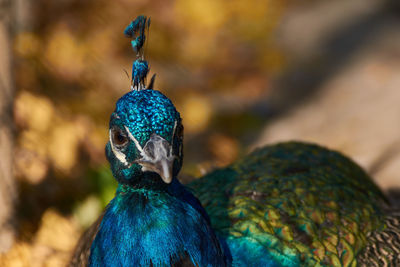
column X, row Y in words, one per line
column 289, row 204
column 302, row 204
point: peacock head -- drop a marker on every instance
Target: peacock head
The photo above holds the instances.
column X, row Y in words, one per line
column 146, row 135
column 146, row 132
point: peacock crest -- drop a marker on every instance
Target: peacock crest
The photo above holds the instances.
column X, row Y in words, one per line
column 136, row 30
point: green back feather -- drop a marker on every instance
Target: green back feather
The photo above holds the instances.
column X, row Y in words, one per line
column 296, row 199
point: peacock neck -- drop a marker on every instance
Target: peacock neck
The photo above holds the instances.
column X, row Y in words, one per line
column 162, row 225
column 144, row 191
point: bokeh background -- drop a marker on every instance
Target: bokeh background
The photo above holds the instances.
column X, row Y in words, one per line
column 241, row 73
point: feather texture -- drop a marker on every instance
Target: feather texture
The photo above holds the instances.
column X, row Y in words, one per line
column 154, row 227
column 305, row 204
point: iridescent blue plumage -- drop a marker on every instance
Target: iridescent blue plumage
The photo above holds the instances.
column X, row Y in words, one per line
column 149, row 220
column 143, row 226
column 146, row 112
column 140, row 69
column 138, row 27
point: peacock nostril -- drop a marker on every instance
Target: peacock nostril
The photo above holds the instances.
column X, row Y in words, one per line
column 166, row 147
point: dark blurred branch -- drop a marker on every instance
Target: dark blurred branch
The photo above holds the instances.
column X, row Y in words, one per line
column 7, row 184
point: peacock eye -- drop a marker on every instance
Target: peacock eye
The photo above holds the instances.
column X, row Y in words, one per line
column 118, row 137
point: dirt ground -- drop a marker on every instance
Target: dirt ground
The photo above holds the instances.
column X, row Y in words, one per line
column 353, row 99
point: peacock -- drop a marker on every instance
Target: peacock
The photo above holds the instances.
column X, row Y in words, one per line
column 287, row 204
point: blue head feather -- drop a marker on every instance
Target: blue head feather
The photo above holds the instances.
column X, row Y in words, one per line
column 137, row 27
column 140, row 69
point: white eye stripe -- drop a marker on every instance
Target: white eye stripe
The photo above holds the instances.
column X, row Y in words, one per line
column 118, row 154
column 173, row 134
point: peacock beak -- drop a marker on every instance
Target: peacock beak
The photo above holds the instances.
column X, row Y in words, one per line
column 156, row 156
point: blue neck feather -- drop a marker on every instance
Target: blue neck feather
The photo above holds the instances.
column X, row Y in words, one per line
column 142, row 226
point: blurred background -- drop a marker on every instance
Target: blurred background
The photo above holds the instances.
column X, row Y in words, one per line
column 241, row 73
